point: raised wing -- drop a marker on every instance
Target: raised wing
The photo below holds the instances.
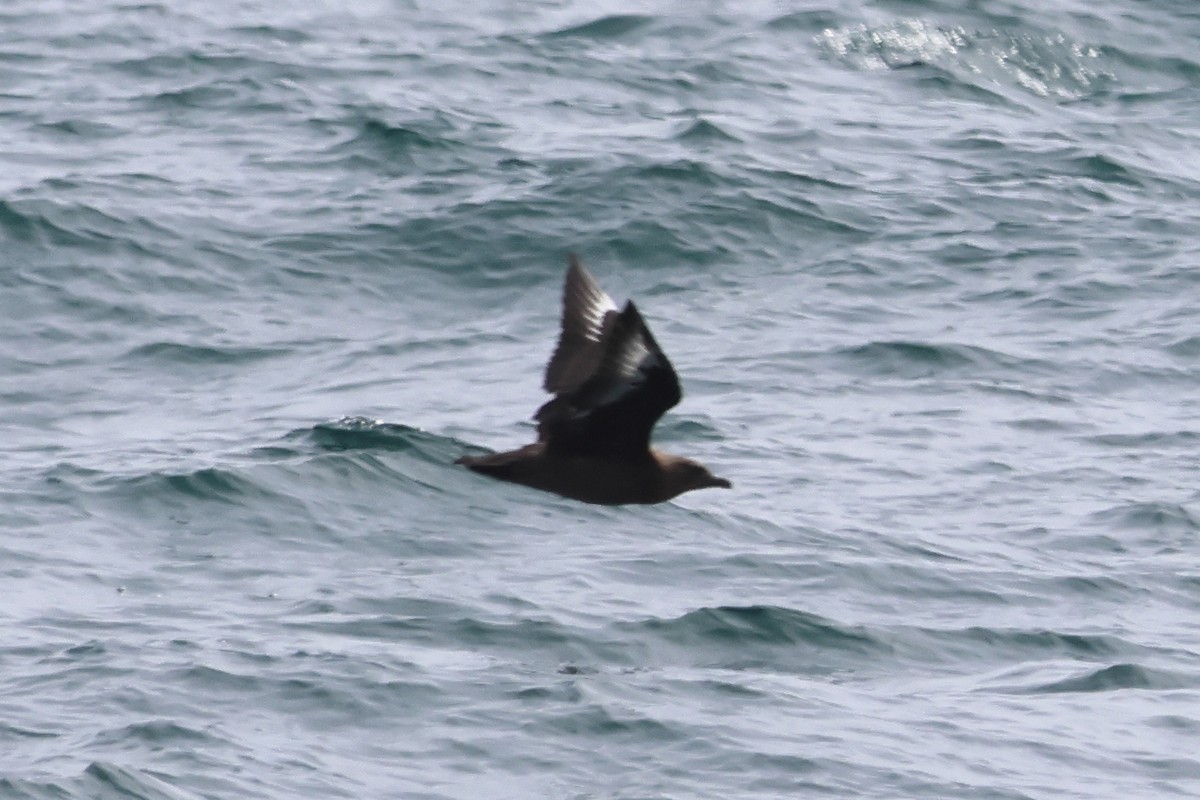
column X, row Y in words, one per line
column 611, row 380
column 587, row 314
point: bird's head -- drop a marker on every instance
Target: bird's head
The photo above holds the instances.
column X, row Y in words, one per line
column 684, row 475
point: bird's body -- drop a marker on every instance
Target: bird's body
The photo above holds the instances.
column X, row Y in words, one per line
column 607, row 481
column 611, row 383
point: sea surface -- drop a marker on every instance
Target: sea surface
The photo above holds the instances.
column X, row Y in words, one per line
column 929, row 272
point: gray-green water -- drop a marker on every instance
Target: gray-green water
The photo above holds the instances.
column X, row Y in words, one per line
column 928, row 272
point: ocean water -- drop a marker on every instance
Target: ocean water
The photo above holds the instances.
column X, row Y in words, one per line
column 927, row 270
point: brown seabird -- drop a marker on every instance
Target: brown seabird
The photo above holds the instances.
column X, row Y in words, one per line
column 611, row 383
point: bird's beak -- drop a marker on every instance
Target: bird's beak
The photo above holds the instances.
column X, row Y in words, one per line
column 719, row 483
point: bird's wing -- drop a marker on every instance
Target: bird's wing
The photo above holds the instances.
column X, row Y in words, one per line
column 610, row 379
column 588, row 313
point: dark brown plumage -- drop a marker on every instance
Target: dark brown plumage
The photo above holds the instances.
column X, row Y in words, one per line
column 611, row 382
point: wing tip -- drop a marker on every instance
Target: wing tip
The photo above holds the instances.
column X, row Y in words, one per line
column 579, row 281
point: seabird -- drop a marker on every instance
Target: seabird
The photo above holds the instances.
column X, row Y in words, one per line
column 611, row 382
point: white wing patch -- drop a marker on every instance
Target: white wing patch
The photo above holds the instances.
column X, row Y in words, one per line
column 593, row 303
column 629, row 361
column 593, row 313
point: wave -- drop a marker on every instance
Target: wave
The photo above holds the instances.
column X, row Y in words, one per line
column 761, row 636
column 363, row 434
column 1115, row 677
column 218, row 484
column 1041, row 64
column 1151, row 440
column 1150, row 516
column 704, row 131
column 424, row 144
column 909, row 359
column 276, row 479
column 1015, row 644
column 785, row 639
column 99, row 779
column 198, row 355
column 613, row 26
column 55, row 222
column 738, row 637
